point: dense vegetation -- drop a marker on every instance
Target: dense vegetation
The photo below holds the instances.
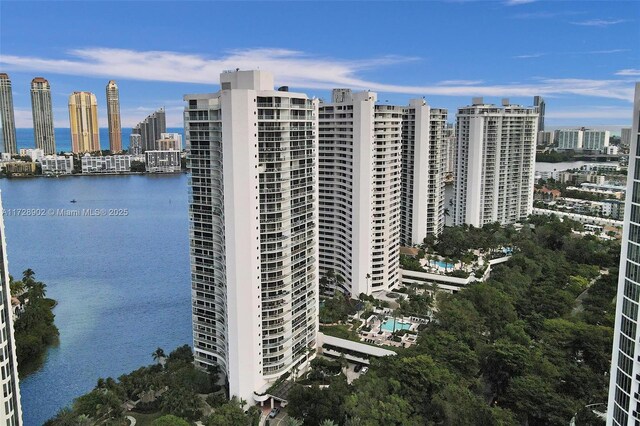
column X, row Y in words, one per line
column 555, row 156
column 173, row 386
column 518, row 349
column 34, row 327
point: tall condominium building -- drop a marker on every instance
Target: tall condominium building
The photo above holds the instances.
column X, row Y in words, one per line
column 253, row 233
column 569, row 139
column 42, row 115
column 495, row 169
column 545, row 138
column 113, row 117
column 169, row 141
column 595, row 140
column 624, row 385
column 150, row 129
column 422, row 201
column 83, row 118
column 538, row 102
column 135, row 144
column 8, row 142
column 360, row 188
column 10, row 408
column 625, row 136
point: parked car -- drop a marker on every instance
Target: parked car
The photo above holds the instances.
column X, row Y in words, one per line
column 274, row 413
column 364, row 370
column 357, row 367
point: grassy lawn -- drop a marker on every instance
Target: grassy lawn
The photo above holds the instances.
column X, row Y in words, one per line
column 144, row 419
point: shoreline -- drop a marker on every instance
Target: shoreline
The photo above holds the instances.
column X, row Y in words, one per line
column 52, row 176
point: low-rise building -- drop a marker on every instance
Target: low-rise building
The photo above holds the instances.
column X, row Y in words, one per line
column 35, row 154
column 106, row 164
column 57, row 165
column 163, row 161
column 545, row 193
column 19, row 168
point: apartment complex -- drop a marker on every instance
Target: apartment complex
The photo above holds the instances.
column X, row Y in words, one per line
column 57, row 165
column 42, row 110
column 625, row 136
column 253, row 230
column 422, row 200
column 360, row 188
column 8, row 142
column 449, row 150
column 169, row 141
column 595, row 140
column 10, row 408
column 151, row 129
column 624, row 385
column 83, row 118
column 106, row 164
column 495, row 163
column 569, row 139
column 113, row 117
column 162, row 161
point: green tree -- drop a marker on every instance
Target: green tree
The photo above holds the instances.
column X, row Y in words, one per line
column 170, row 420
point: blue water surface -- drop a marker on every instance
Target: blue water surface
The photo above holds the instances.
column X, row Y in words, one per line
column 122, row 283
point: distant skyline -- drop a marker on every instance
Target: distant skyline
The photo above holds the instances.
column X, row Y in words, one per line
column 582, row 57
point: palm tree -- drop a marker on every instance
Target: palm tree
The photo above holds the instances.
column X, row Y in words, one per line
column 28, row 274
column 158, row 355
column 292, row 421
column 368, row 277
column 328, row 422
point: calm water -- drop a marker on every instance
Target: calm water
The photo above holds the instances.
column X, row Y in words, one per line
column 122, row 283
column 24, row 138
column 567, row 165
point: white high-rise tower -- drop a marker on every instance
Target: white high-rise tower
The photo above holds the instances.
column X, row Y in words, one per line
column 10, row 408
column 495, row 163
column 624, row 385
column 254, row 234
column 360, row 167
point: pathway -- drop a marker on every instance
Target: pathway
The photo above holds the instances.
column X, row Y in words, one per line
column 132, row 420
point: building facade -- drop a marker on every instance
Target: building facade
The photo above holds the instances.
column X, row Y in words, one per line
column 106, row 164
column 162, row 161
column 169, row 141
column 151, row 129
column 8, row 142
column 113, row 117
column 625, row 136
column 135, row 144
column 624, row 385
column 422, row 202
column 569, row 139
column 36, row 154
column 254, row 230
column 595, row 140
column 83, row 118
column 42, row 110
column 57, row 165
column 10, row 407
column 495, row 163
column 360, row 191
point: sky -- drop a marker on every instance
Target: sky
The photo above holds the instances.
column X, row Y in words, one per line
column 583, row 57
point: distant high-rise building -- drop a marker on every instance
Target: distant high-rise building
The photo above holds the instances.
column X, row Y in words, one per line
column 83, row 118
column 624, row 380
column 569, row 139
column 545, row 138
column 422, row 202
column 169, row 141
column 538, row 102
column 135, row 144
column 113, row 117
column 625, row 136
column 495, row 163
column 595, row 140
column 42, row 115
column 8, row 142
column 10, row 408
column 253, row 212
column 151, row 129
column 360, row 165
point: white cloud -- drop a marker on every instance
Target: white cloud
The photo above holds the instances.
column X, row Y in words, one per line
column 529, row 56
column 629, row 72
column 599, row 22
column 295, row 69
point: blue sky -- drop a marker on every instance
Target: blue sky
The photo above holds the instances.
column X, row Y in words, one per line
column 582, row 57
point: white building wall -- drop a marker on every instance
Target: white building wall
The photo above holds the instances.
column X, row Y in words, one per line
column 10, row 407
column 625, row 365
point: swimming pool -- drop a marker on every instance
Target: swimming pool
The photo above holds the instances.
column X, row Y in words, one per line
column 442, row 264
column 387, row 325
